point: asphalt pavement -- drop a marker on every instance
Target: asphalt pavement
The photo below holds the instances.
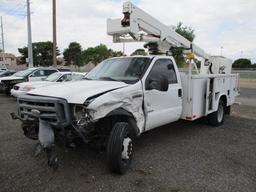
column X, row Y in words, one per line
column 179, row 157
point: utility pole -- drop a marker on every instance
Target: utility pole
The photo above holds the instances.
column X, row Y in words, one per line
column 54, row 33
column 30, row 49
column 123, row 48
column 2, row 35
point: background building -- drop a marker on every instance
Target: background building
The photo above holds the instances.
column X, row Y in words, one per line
column 8, row 59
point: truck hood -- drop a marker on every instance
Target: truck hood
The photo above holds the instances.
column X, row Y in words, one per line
column 35, row 84
column 77, row 92
column 10, row 78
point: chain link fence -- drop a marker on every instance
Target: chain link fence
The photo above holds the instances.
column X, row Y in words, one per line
column 247, row 78
column 246, row 75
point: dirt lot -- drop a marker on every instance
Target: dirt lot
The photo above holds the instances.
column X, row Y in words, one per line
column 179, row 157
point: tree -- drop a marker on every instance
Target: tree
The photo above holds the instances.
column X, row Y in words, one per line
column 24, row 54
column 139, row 52
column 242, row 63
column 73, row 54
column 115, row 53
column 177, row 52
column 42, row 53
column 98, row 54
column 185, row 31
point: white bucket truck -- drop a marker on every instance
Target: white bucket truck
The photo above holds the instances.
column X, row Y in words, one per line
column 124, row 97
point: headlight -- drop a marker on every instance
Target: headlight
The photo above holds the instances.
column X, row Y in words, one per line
column 81, row 115
column 79, row 111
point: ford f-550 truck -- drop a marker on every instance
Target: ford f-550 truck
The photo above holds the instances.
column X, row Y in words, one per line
column 124, row 97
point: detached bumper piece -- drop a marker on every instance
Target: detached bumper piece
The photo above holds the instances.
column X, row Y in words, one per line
column 44, row 119
column 46, row 143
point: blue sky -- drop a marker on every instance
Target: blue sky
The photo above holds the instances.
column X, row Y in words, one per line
column 13, row 8
column 218, row 23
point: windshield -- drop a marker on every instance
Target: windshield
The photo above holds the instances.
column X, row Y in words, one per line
column 53, row 77
column 23, row 73
column 77, row 77
column 127, row 69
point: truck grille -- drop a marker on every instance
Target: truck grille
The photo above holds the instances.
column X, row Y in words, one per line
column 53, row 110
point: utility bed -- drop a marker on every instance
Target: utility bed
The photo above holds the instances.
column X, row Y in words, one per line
column 201, row 93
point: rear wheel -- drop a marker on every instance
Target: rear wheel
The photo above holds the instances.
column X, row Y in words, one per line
column 217, row 118
column 120, row 148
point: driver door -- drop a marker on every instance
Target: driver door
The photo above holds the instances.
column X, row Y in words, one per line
column 162, row 107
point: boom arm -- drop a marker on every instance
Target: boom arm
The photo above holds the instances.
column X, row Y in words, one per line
column 139, row 26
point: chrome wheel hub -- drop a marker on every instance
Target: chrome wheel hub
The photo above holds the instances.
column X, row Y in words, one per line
column 220, row 113
column 127, row 148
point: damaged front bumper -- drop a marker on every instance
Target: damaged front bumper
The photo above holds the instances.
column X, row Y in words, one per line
column 44, row 119
column 51, row 121
column 45, row 133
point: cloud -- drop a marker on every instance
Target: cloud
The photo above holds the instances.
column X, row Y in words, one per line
column 226, row 23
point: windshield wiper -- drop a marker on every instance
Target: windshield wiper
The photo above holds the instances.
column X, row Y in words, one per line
column 108, row 78
column 86, row 78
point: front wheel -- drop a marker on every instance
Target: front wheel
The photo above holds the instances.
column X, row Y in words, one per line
column 217, row 118
column 120, row 148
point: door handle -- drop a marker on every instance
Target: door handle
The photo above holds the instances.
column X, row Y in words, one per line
column 179, row 92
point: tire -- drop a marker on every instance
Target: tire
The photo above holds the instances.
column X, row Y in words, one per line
column 217, row 118
column 120, row 148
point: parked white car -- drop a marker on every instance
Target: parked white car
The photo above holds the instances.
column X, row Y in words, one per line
column 22, row 88
column 30, row 74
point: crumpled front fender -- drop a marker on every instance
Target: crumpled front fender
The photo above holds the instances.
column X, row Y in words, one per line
column 129, row 98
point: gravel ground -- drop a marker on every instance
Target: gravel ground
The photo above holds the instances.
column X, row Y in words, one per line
column 182, row 156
